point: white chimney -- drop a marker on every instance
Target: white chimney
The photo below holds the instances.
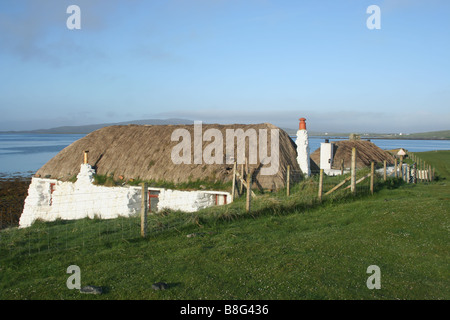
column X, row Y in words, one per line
column 303, row 148
column 326, row 155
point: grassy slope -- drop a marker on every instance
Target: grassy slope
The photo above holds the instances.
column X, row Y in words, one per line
column 314, row 252
column 431, row 135
column 439, row 159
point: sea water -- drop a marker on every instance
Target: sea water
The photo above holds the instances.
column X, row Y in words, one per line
column 24, row 154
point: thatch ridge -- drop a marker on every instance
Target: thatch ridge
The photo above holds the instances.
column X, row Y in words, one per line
column 144, row 152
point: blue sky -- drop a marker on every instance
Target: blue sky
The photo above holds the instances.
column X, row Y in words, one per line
column 227, row 61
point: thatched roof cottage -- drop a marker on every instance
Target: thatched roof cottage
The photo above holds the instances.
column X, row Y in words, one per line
column 331, row 155
column 170, row 153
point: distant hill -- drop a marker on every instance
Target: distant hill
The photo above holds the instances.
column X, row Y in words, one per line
column 439, row 135
column 92, row 127
column 84, row 129
column 433, row 135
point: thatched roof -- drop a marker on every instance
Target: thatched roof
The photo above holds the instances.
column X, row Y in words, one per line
column 144, row 152
column 366, row 152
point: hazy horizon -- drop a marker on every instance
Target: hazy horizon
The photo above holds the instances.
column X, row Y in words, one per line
column 223, row 122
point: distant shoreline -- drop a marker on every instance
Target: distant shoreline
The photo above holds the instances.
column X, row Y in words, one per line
column 289, row 133
column 378, row 138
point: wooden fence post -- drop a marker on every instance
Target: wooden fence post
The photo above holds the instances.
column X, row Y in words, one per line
column 401, row 168
column 353, row 171
column 249, row 191
column 419, row 169
column 395, row 168
column 288, row 184
column 385, row 170
column 144, row 209
column 241, row 188
column 233, row 186
column 320, row 185
column 424, row 177
column 408, row 173
column 423, row 171
column 340, row 184
column 372, row 173
column 342, row 167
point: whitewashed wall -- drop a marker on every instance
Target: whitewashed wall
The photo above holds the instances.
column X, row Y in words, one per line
column 190, row 201
column 83, row 199
column 303, row 158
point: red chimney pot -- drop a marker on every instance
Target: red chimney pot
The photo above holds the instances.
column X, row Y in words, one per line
column 302, row 125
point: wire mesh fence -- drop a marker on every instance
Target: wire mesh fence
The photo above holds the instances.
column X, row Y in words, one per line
column 92, row 230
column 83, row 233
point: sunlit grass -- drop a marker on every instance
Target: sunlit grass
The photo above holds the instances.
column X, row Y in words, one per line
column 285, row 248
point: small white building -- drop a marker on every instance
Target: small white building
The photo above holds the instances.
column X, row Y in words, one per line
column 51, row 199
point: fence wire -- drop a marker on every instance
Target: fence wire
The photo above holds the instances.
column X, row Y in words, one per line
column 85, row 233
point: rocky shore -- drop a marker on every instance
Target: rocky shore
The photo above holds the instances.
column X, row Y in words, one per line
column 13, row 191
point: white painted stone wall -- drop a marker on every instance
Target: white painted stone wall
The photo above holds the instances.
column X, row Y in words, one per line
column 190, row 201
column 303, row 152
column 83, row 199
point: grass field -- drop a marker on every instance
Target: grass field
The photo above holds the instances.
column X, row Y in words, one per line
column 440, row 160
column 288, row 248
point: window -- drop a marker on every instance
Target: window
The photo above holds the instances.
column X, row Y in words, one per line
column 153, row 199
column 52, row 189
column 221, row 199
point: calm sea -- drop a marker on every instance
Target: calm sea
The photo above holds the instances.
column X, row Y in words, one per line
column 24, row 154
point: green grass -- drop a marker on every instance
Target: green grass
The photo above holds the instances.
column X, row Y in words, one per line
column 287, row 248
column 445, row 134
column 438, row 159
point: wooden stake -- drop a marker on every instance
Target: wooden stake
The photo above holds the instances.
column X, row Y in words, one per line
column 353, row 172
column 419, row 169
column 385, row 170
column 359, row 180
column 320, row 185
column 342, row 166
column 144, row 209
column 86, row 157
column 241, row 189
column 395, row 168
column 233, row 186
column 288, row 184
column 247, row 172
column 372, row 174
column 414, row 179
column 244, row 183
column 401, row 167
column 249, row 192
column 338, row 185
